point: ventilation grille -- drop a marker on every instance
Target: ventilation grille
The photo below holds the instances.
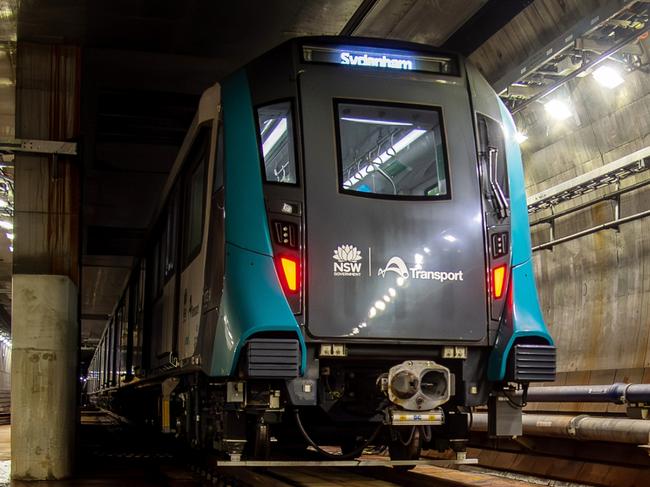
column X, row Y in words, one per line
column 273, row 358
column 534, row 363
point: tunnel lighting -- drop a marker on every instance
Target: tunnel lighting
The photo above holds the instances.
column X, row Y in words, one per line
column 520, row 137
column 11, row 248
column 290, row 269
column 7, row 225
column 607, row 77
column 275, row 135
column 450, row 238
column 498, row 279
column 377, row 122
column 10, row 236
column 558, row 109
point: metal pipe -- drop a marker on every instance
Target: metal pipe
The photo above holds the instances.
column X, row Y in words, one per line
column 617, row 393
column 583, row 427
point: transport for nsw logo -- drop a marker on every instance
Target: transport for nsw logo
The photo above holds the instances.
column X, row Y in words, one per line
column 347, row 261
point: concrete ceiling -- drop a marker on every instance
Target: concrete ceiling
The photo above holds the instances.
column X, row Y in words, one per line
column 144, row 66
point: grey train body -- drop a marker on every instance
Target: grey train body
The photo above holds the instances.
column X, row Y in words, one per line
column 341, row 256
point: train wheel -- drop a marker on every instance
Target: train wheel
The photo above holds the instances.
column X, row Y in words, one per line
column 406, row 444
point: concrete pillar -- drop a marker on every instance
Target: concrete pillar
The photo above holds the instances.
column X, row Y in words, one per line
column 45, row 340
column 45, row 326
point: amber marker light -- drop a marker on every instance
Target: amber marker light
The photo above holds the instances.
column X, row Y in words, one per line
column 498, row 280
column 290, row 270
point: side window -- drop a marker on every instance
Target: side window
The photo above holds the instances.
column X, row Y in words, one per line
column 275, row 128
column 494, row 167
column 171, row 232
column 219, row 161
column 155, row 270
column 195, row 196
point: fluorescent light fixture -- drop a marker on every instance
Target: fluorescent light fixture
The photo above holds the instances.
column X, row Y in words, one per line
column 450, row 238
column 7, row 225
column 273, row 138
column 607, row 77
column 558, row 109
column 376, row 122
column 11, row 248
column 412, row 136
column 520, row 137
column 10, row 236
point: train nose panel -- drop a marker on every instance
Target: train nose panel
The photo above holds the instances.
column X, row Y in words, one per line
column 395, row 248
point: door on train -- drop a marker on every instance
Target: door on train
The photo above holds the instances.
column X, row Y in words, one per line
column 395, row 243
column 214, row 258
column 192, row 258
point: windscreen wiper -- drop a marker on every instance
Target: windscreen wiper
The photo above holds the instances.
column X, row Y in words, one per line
column 501, row 203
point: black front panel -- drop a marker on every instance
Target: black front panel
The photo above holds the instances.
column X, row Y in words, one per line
column 387, row 259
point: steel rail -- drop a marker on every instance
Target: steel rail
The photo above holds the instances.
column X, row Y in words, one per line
column 582, row 206
column 589, row 231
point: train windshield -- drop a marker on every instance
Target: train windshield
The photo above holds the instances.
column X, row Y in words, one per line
column 393, row 151
column 276, row 143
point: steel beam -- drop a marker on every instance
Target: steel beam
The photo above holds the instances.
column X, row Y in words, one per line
column 358, row 17
column 561, row 43
column 39, row 146
column 585, row 66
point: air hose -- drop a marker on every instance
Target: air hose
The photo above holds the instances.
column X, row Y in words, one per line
column 344, row 456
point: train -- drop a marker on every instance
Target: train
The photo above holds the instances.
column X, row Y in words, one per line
column 340, row 260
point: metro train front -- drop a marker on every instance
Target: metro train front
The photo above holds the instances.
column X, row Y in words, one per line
column 389, row 287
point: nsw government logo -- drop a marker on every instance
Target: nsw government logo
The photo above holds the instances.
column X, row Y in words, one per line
column 347, row 261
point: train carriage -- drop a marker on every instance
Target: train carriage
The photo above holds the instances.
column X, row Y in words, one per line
column 341, row 256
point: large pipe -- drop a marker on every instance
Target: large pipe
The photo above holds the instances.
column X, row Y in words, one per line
column 618, row 393
column 583, row 427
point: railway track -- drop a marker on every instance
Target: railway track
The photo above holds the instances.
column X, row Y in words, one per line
column 421, row 476
column 113, row 444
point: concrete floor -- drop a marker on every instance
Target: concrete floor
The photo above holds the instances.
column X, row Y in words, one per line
column 97, row 471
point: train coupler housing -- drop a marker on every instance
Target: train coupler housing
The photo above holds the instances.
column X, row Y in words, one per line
column 417, row 385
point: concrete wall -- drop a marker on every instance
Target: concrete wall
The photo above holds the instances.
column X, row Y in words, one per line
column 43, row 406
column 595, row 290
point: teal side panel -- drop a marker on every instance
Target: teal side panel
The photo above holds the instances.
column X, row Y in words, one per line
column 520, row 229
column 253, row 300
column 524, row 319
column 246, row 224
column 524, row 316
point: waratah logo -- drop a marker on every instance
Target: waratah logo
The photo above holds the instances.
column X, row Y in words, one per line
column 347, row 259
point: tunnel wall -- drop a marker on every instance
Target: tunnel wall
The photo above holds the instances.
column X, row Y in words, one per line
column 595, row 290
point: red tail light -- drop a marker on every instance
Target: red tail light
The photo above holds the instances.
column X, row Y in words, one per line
column 290, row 269
column 498, row 281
